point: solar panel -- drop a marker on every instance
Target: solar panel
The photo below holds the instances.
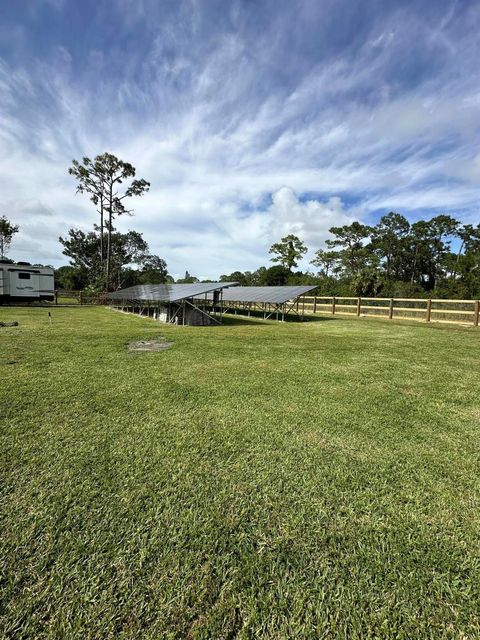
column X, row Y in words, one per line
column 270, row 295
column 167, row 292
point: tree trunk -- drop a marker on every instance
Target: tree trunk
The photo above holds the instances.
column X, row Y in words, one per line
column 101, row 231
column 107, row 276
column 412, row 279
column 454, row 273
column 109, row 237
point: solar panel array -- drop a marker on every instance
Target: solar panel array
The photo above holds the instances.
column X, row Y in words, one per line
column 269, row 295
column 167, row 292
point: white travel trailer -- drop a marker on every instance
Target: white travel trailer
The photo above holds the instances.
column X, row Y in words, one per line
column 23, row 282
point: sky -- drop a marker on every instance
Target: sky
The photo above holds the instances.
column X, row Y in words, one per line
column 251, row 119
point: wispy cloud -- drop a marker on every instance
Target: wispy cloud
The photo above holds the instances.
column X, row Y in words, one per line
column 250, row 119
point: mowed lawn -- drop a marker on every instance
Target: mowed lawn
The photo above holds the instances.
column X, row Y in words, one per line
column 256, row 480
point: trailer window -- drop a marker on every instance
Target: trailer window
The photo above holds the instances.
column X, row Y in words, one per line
column 24, row 276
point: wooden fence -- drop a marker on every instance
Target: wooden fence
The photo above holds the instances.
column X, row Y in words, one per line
column 425, row 310
column 430, row 310
column 78, row 297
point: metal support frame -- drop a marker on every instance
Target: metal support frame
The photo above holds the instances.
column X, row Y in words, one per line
column 204, row 313
column 294, row 303
column 276, row 309
column 139, row 306
column 172, row 318
column 268, row 309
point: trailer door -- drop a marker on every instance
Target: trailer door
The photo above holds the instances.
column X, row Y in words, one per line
column 24, row 284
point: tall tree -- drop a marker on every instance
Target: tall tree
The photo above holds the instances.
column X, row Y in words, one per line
column 288, row 251
column 419, row 239
column 429, row 246
column 389, row 242
column 90, row 179
column 326, row 261
column 443, row 229
column 154, row 270
column 70, row 278
column 466, row 233
column 276, row 276
column 82, row 249
column 354, row 253
column 7, row 231
column 468, row 264
column 257, row 277
column 127, row 249
column 104, row 178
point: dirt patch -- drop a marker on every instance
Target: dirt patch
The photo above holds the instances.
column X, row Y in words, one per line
column 159, row 344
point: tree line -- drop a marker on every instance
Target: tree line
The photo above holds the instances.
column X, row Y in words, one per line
column 438, row 257
column 391, row 258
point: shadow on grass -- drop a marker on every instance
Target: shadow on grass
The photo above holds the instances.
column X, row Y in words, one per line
column 231, row 319
column 318, row 318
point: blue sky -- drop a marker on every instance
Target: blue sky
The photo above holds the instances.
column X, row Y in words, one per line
column 250, row 118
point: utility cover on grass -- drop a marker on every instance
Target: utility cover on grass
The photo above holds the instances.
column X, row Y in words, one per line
column 159, row 344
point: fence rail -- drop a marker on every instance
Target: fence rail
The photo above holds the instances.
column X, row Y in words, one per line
column 78, row 297
column 421, row 309
column 427, row 310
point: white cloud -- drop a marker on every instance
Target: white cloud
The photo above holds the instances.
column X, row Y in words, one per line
column 309, row 220
column 231, row 150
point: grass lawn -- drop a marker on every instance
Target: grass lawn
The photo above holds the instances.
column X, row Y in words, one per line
column 256, row 480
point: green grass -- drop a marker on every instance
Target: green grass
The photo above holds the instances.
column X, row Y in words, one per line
column 256, row 480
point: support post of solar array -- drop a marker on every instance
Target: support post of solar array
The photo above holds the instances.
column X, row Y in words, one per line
column 190, row 304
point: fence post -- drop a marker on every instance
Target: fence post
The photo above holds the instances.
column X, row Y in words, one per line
column 333, row 305
column 315, row 304
column 429, row 310
column 80, row 298
column 476, row 313
column 359, row 302
column 56, row 296
column 390, row 310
